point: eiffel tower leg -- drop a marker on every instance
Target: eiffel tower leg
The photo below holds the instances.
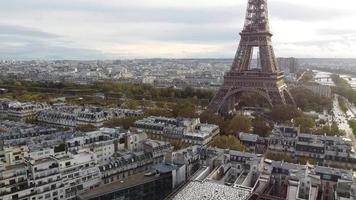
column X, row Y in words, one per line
column 216, row 102
column 242, row 59
column 289, row 97
column 277, row 97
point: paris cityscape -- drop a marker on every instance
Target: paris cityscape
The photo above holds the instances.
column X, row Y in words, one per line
column 177, row 100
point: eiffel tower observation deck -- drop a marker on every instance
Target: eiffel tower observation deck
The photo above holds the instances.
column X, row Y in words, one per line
column 267, row 80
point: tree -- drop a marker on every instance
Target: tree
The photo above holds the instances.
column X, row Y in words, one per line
column 284, row 113
column 305, row 123
column 184, row 109
column 86, row 128
column 177, row 145
column 159, row 112
column 330, row 130
column 60, row 147
column 125, row 122
column 307, row 100
column 208, row 116
column 239, row 123
column 261, row 127
column 132, row 104
column 280, row 157
column 252, row 99
column 227, row 142
column 352, row 124
column 342, row 104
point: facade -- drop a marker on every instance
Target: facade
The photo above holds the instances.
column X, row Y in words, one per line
column 189, row 131
column 21, row 111
column 36, row 163
column 320, row 90
column 72, row 116
column 331, row 151
column 155, row 185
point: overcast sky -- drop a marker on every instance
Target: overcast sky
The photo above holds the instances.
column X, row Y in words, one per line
column 120, row 29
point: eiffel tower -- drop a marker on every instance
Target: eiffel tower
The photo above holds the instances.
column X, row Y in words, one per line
column 267, row 80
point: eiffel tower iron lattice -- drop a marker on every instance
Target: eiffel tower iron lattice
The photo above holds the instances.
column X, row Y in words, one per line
column 267, row 80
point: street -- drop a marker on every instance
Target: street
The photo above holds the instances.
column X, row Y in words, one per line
column 342, row 119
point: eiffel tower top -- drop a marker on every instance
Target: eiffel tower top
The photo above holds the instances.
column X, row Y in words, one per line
column 256, row 20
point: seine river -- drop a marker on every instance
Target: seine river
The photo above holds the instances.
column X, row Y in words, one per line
column 324, row 78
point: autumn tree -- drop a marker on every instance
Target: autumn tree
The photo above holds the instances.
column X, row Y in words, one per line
column 208, row 116
column 184, row 109
column 86, row 128
column 125, row 122
column 280, row 157
column 159, row 112
column 239, row 123
column 227, row 142
column 132, row 104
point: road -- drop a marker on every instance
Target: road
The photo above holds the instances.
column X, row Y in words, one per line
column 342, row 119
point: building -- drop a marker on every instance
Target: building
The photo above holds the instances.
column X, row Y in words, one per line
column 72, row 116
column 153, row 184
column 24, row 111
column 320, row 90
column 189, row 131
column 288, row 65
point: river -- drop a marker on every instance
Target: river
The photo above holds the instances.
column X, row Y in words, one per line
column 323, row 78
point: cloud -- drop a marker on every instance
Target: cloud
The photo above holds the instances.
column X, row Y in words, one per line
column 90, row 29
column 27, row 43
column 305, row 12
column 24, row 31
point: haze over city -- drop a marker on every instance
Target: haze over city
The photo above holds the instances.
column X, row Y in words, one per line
column 119, row 29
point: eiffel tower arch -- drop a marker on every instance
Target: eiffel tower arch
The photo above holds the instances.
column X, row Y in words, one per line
column 267, row 80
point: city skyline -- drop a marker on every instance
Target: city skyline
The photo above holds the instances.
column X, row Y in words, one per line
column 169, row 29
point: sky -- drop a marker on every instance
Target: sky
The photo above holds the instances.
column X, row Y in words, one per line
column 127, row 29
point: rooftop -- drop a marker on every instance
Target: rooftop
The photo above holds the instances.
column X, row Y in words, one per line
column 210, row 190
column 131, row 181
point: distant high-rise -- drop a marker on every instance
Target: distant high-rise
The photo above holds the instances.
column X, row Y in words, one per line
column 267, row 79
column 288, row 65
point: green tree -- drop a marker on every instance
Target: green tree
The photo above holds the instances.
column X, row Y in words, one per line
column 305, row 123
column 227, row 142
column 261, row 127
column 330, row 130
column 307, row 100
column 284, row 113
column 342, row 104
column 239, row 123
column 352, row 124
